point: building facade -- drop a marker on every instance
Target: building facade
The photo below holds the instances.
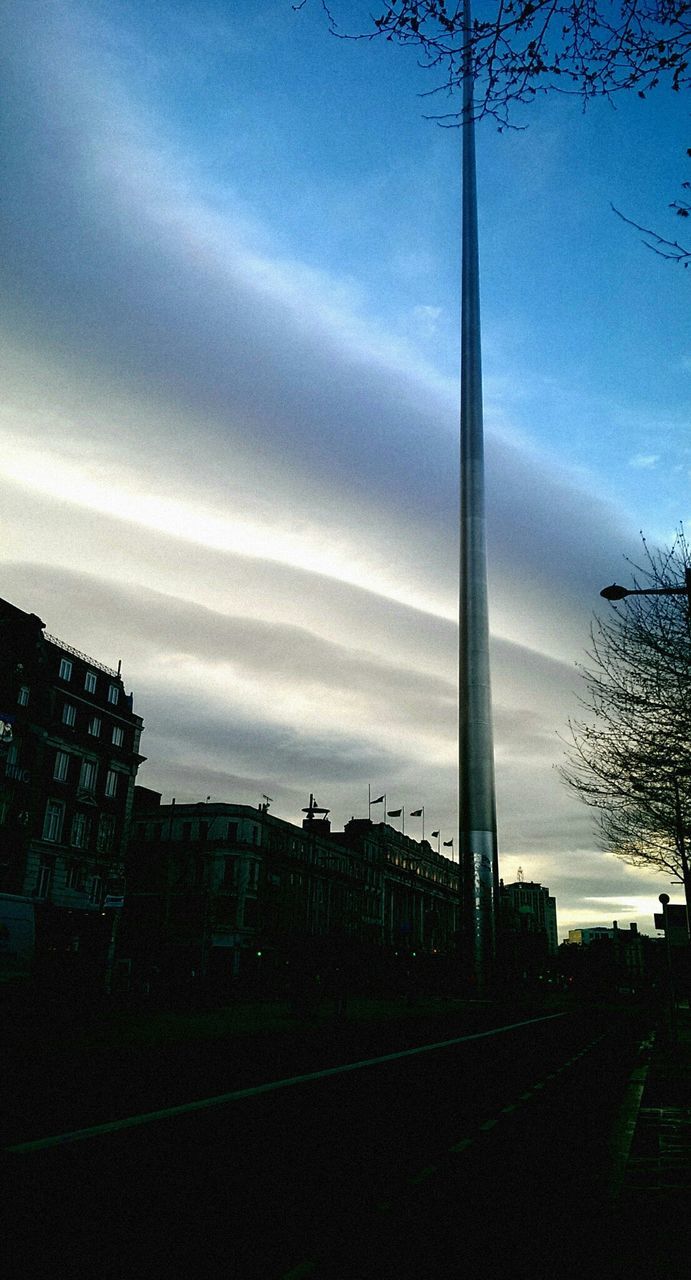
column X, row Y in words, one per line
column 227, row 891
column 531, row 908
column 68, row 763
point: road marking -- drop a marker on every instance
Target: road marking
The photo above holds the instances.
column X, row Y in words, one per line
column 462, row 1145
column 489, row 1124
column 204, row 1104
column 528, row 1094
column 301, row 1271
column 507, row 1110
column 423, row 1175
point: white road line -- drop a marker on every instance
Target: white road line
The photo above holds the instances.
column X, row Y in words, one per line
column 462, row 1145
column 489, row 1124
column 300, row 1272
column 204, row 1104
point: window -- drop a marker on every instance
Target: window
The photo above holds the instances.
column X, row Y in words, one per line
column 111, row 783
column 75, row 874
column 90, row 682
column 118, row 735
column 44, row 880
column 95, row 889
column 23, row 695
column 229, row 872
column 81, row 829
column 232, row 833
column 87, row 776
column 61, row 767
column 106, row 833
column 95, row 726
column 252, row 875
column 187, row 831
column 65, row 669
column 113, row 694
column 69, row 713
column 203, row 830
column 52, row 823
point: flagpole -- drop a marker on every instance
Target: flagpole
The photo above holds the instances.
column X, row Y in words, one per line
column 477, row 805
column 369, row 801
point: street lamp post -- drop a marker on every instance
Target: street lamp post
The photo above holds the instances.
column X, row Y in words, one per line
column 615, row 592
column 663, row 898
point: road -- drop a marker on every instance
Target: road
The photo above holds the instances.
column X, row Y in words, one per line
column 488, row 1155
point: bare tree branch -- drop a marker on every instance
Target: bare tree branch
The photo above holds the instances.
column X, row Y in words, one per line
column 591, row 48
column 625, row 758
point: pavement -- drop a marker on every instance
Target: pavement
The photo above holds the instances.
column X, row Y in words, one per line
column 652, row 1202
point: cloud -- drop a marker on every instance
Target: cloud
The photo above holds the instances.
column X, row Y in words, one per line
column 220, row 465
column 644, row 461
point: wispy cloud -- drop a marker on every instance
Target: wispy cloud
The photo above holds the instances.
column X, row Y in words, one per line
column 644, row 461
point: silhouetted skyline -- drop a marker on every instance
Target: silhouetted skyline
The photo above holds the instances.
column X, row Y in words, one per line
column 230, row 353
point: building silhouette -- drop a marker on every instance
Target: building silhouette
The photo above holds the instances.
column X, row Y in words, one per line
column 531, row 908
column 230, row 892
column 69, row 755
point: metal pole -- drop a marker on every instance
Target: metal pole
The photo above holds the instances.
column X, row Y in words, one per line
column 683, row 854
column 672, row 995
column 478, row 834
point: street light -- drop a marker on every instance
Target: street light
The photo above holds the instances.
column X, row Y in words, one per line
column 663, row 898
column 615, row 592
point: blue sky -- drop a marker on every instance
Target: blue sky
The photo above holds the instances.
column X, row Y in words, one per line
column 229, row 430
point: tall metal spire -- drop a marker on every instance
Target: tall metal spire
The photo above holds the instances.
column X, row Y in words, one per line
column 478, row 826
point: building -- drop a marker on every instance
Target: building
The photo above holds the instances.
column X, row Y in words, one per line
column 68, row 762
column 621, row 957
column 231, row 892
column 412, row 893
column 530, row 908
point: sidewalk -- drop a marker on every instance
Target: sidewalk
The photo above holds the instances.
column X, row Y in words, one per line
column 654, row 1201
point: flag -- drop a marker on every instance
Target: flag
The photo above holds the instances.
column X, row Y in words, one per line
column 447, row 843
column 394, row 813
column 415, row 813
column 378, row 800
column 435, row 833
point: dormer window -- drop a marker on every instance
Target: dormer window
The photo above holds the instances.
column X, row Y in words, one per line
column 65, row 669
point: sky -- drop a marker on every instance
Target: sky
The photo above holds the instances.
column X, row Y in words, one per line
column 229, row 455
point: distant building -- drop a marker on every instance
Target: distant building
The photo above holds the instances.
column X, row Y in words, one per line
column 226, row 890
column 69, row 754
column 529, row 907
column 584, row 937
column 622, row 950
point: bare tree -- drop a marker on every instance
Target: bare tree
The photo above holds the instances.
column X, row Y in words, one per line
column 519, row 48
column 630, row 758
column 662, row 245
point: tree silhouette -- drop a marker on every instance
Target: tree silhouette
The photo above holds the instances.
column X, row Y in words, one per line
column 520, row 48
column 630, row 757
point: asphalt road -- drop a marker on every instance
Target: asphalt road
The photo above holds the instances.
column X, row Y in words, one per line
column 491, row 1156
